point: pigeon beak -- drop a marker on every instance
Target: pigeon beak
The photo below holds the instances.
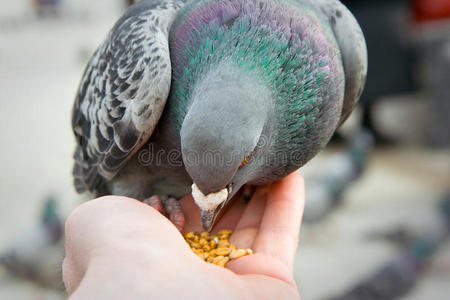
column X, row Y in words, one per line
column 208, row 216
column 210, row 205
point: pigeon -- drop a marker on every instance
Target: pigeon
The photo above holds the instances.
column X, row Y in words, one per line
column 36, row 254
column 327, row 186
column 210, row 96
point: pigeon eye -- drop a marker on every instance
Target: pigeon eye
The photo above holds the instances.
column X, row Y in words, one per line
column 244, row 161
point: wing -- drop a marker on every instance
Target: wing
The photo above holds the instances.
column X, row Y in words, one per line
column 353, row 50
column 123, row 92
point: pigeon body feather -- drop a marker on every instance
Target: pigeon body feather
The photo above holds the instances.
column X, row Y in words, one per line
column 122, row 93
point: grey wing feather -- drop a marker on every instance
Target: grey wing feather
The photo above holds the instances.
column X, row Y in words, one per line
column 122, row 93
column 353, row 50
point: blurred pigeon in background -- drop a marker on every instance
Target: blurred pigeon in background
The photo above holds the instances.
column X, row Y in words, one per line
column 400, row 275
column 37, row 253
column 219, row 93
column 325, row 190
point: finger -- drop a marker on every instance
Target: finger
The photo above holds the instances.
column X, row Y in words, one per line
column 247, row 229
column 254, row 211
column 280, row 224
column 232, row 216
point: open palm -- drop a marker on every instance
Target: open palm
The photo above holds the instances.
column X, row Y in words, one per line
column 116, row 239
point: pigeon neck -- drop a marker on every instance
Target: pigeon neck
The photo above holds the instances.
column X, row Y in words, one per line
column 230, row 86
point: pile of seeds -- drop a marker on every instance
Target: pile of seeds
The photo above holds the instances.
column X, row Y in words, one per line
column 214, row 249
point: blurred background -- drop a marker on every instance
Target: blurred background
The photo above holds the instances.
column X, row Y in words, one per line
column 377, row 217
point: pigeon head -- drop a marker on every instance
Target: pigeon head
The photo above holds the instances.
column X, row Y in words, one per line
column 219, row 133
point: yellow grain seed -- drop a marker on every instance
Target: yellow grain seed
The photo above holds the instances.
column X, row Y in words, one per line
column 189, row 235
column 238, row 253
column 204, row 235
column 224, row 232
column 195, row 245
column 222, row 262
column 222, row 244
column 215, row 249
column 222, row 251
column 223, row 237
column 217, row 258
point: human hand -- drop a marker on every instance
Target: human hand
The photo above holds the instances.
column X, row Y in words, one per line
column 118, row 248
